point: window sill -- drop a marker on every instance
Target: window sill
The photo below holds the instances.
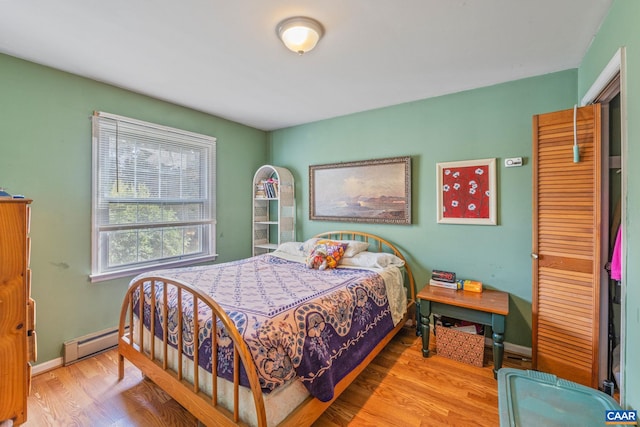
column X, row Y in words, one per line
column 101, row 277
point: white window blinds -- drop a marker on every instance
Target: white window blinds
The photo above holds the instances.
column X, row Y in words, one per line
column 153, row 196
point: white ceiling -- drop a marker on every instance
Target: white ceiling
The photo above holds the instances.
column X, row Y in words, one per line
column 222, row 56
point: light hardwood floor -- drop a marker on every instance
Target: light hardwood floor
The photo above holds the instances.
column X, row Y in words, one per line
column 399, row 388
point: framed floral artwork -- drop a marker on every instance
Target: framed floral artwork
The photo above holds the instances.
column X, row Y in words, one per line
column 466, row 192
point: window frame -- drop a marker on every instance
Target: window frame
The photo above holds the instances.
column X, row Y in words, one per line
column 100, row 251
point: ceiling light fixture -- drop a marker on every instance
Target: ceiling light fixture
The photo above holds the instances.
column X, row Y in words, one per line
column 299, row 33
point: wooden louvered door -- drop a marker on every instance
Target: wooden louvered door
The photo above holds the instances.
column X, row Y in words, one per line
column 566, row 244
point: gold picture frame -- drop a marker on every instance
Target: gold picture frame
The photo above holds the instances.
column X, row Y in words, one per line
column 368, row 191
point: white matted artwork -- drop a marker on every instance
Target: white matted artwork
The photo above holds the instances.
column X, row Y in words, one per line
column 466, row 192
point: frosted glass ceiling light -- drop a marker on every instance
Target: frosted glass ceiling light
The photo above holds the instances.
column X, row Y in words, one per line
column 299, row 34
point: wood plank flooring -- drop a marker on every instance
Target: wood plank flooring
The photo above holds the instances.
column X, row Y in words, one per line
column 399, row 388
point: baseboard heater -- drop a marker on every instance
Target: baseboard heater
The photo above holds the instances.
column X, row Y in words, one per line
column 89, row 345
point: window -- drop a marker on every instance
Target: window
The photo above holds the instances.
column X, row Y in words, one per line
column 153, row 197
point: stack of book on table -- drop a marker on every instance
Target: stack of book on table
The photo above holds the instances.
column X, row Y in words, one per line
column 444, row 279
column 447, row 279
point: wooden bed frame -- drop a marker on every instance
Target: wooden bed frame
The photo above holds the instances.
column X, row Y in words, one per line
column 204, row 407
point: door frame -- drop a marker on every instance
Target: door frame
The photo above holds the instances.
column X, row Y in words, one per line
column 617, row 65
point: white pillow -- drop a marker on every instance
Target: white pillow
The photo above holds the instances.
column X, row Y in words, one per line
column 368, row 259
column 354, row 247
column 308, row 245
column 291, row 248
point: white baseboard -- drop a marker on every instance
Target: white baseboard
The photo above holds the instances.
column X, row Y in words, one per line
column 520, row 350
column 43, row 367
column 511, row 348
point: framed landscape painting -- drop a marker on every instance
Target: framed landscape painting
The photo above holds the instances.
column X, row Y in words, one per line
column 466, row 192
column 374, row 191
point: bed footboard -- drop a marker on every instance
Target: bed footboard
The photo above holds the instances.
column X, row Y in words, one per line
column 189, row 393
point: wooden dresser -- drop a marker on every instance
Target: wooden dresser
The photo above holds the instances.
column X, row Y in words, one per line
column 17, row 311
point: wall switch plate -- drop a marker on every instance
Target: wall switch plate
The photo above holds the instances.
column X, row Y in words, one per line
column 512, row 162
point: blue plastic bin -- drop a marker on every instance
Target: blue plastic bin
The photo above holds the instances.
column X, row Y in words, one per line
column 531, row 398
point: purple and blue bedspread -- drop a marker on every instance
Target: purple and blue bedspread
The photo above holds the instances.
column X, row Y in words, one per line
column 317, row 325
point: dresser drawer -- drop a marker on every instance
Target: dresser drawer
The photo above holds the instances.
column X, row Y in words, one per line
column 31, row 315
column 32, row 346
column 28, row 282
column 28, row 250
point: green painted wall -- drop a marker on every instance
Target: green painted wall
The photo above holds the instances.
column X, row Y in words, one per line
column 620, row 28
column 45, row 153
column 489, row 122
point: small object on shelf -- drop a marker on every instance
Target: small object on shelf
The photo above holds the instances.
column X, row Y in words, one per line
column 260, row 193
column 267, row 188
column 271, row 188
column 470, row 285
column 3, row 193
column 448, row 285
column 443, row 276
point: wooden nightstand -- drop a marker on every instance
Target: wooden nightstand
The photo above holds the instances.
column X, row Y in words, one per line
column 488, row 307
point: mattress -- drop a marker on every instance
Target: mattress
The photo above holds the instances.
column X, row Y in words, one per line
column 278, row 404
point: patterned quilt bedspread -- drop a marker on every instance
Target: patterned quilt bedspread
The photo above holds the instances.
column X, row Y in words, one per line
column 317, row 325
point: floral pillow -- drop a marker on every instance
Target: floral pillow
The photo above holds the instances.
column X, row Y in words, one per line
column 326, row 254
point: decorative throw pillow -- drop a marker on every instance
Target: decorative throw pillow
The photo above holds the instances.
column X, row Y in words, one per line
column 326, row 254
